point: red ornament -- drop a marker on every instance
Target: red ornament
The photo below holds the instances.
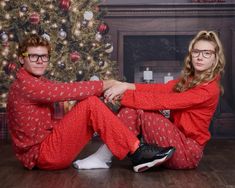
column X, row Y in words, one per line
column 65, row 4
column 97, row 9
column 34, row 18
column 75, row 56
column 103, row 28
column 10, row 68
column 5, row 44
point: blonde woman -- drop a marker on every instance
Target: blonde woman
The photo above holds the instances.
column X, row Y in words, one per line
column 192, row 99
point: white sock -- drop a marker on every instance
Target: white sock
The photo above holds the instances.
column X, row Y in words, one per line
column 102, row 158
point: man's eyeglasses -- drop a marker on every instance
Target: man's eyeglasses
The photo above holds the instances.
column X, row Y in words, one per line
column 205, row 53
column 35, row 57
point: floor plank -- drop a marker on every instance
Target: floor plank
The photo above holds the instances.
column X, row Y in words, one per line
column 217, row 169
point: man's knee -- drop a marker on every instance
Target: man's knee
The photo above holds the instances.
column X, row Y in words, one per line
column 93, row 100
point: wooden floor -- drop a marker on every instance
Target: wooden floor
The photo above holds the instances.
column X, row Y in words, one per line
column 217, row 169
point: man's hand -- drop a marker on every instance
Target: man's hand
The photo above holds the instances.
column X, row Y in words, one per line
column 115, row 92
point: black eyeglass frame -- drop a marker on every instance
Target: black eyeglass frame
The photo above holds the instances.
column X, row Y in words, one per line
column 30, row 56
column 205, row 53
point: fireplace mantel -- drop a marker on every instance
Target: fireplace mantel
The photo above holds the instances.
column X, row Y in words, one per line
column 169, row 10
column 168, row 18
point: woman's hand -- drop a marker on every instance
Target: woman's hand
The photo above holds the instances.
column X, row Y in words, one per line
column 108, row 83
column 116, row 91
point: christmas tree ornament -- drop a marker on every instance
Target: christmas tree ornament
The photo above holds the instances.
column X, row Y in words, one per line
column 61, row 64
column 62, row 34
column 65, row 4
column 10, row 68
column 98, row 37
column 46, row 36
column 88, row 15
column 4, row 37
column 101, row 63
column 94, row 78
column 108, row 48
column 24, row 8
column 5, row 45
column 34, row 18
column 84, row 23
column 75, row 56
column 103, row 28
column 104, row 65
column 97, row 9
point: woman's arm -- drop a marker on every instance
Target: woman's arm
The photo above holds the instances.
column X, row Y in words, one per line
column 173, row 100
column 108, row 83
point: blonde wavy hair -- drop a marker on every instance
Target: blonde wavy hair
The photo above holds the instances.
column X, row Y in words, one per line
column 188, row 79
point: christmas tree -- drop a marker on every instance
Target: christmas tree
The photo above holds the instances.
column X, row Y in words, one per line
column 81, row 46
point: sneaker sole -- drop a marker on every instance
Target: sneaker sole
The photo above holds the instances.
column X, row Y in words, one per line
column 157, row 162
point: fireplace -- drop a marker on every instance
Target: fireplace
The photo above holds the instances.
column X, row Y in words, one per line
column 162, row 54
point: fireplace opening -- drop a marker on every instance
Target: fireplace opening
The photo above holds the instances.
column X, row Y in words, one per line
column 162, row 54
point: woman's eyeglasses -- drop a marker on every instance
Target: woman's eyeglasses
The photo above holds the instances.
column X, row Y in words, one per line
column 205, row 53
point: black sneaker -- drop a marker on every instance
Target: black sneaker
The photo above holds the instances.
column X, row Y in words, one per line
column 147, row 156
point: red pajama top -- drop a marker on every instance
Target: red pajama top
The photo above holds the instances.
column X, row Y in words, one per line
column 191, row 110
column 30, row 118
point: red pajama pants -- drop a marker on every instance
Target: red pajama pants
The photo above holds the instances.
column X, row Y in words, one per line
column 156, row 129
column 73, row 132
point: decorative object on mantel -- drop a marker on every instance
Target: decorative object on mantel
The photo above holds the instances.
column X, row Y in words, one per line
column 147, row 75
column 208, row 1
